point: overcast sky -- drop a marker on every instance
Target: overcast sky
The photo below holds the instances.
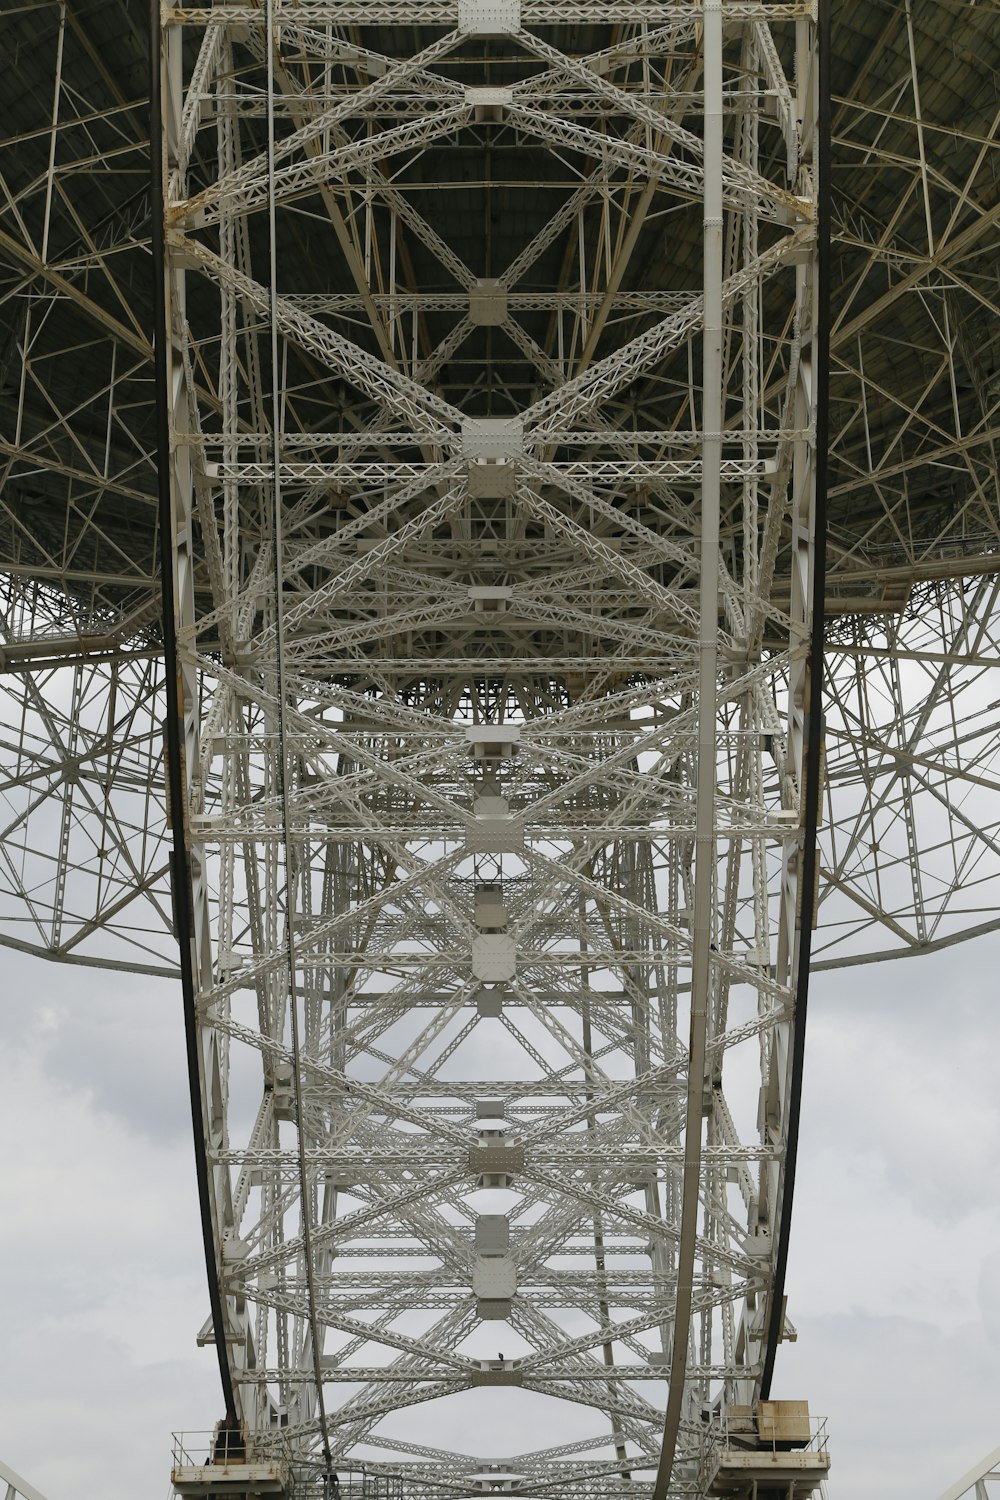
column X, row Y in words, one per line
column 895, row 1267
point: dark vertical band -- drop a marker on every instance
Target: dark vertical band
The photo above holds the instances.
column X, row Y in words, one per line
column 813, row 740
column 179, row 870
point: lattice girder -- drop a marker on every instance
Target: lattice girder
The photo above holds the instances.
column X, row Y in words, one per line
column 407, row 286
column 404, row 869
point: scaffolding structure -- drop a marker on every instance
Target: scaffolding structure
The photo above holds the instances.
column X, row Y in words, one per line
column 414, row 605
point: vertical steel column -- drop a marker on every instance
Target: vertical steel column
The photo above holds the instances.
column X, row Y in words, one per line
column 816, row 521
column 174, row 580
column 295, row 847
column 707, row 751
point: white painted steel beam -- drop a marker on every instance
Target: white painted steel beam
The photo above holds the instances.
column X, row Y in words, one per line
column 18, row 1488
column 396, row 876
column 975, row 1482
column 496, row 216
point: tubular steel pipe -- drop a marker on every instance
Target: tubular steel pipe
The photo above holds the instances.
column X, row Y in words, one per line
column 179, row 866
column 315, row 1331
column 705, row 843
column 814, row 708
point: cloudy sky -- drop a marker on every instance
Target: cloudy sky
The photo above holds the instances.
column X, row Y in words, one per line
column 895, row 1268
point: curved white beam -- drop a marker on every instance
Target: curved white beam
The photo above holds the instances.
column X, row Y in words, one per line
column 988, row 1468
column 16, row 1486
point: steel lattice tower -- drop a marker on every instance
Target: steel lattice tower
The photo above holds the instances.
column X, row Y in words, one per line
column 497, row 438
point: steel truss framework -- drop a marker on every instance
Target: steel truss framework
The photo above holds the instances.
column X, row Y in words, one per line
column 480, row 941
column 16, row 1487
column 491, row 389
column 979, row 1483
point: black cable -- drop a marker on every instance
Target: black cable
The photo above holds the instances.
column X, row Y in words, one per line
column 179, row 865
column 813, row 738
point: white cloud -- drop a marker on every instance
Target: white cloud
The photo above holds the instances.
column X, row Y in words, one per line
column 894, row 1266
column 894, row 1275
column 910, row 1408
column 99, row 1240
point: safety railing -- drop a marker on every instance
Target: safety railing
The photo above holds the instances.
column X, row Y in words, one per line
column 349, row 1483
column 741, row 1430
column 222, row 1446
